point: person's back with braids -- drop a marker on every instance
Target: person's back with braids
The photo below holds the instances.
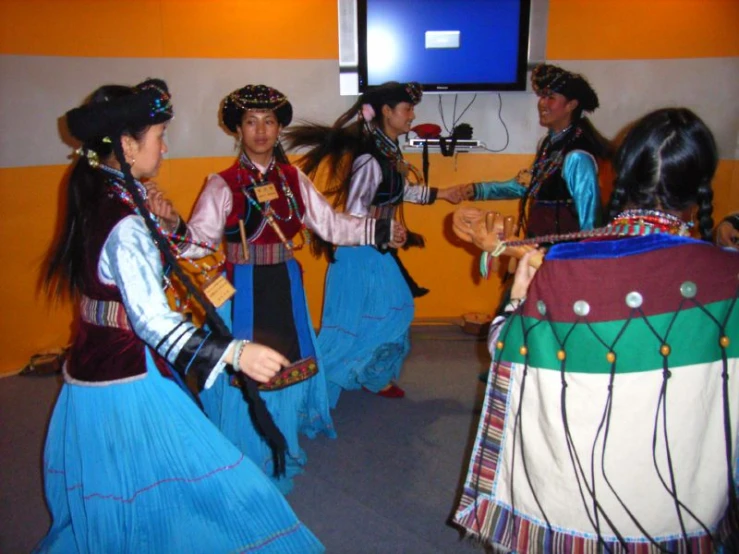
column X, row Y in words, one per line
column 612, row 403
column 667, row 162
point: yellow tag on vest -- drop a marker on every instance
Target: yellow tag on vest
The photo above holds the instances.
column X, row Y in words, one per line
column 266, row 193
column 218, row 291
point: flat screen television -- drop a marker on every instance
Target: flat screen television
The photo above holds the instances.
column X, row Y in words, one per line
column 446, row 45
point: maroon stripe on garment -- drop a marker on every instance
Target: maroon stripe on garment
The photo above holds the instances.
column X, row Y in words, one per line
column 657, row 276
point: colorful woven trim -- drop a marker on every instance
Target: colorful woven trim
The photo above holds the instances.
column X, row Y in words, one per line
column 505, row 531
column 258, row 254
column 104, row 313
column 292, row 374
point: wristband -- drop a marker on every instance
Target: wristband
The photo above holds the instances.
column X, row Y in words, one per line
column 237, row 355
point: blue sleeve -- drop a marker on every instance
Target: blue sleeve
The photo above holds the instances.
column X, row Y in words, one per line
column 580, row 172
column 499, row 190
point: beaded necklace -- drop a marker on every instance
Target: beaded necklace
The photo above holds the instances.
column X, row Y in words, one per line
column 547, row 165
column 116, row 180
column 246, row 164
column 388, row 148
column 269, row 215
column 629, row 223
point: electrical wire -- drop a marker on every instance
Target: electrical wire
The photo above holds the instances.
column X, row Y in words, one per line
column 505, row 128
column 456, row 120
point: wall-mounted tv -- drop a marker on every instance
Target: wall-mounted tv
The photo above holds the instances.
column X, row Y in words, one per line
column 446, row 45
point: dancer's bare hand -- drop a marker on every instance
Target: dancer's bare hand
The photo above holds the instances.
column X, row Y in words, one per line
column 260, row 362
column 399, row 235
column 453, row 195
column 525, row 272
column 161, row 207
column 727, row 235
column 523, row 177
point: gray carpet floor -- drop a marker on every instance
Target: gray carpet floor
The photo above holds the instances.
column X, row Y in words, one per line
column 388, row 484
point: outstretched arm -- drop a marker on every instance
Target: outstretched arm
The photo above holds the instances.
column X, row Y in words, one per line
column 343, row 228
column 496, row 190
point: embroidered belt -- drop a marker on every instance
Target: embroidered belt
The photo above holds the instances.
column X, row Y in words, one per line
column 293, row 374
column 105, row 313
column 386, row 211
column 258, row 254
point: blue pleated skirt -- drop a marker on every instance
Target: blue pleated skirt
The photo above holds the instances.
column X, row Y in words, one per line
column 367, row 314
column 300, row 409
column 136, row 467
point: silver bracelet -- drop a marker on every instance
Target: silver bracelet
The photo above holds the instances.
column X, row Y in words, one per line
column 237, row 355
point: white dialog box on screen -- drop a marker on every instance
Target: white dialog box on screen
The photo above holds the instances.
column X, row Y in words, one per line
column 442, row 39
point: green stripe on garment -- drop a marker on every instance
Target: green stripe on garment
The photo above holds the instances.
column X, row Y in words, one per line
column 693, row 339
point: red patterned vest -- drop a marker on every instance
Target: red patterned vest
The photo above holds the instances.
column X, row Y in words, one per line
column 242, row 181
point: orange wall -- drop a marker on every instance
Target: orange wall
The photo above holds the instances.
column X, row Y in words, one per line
column 31, row 323
column 171, row 28
column 605, row 29
column 642, row 29
column 578, row 29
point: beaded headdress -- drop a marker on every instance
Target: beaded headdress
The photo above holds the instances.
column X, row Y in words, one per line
column 546, row 78
column 255, row 97
column 149, row 104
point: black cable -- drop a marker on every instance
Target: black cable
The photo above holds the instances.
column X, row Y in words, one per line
column 505, row 127
column 454, row 113
column 456, row 120
column 441, row 113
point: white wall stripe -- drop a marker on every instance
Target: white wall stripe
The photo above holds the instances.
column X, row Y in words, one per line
column 35, row 91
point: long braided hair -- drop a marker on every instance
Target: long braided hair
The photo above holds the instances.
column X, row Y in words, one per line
column 111, row 112
column 667, row 161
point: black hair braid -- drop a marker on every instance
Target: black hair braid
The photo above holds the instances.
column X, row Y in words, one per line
column 704, row 199
column 617, row 202
column 63, row 267
column 265, row 423
column 63, row 271
column 214, row 320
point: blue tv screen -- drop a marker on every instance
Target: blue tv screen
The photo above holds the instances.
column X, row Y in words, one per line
column 446, row 45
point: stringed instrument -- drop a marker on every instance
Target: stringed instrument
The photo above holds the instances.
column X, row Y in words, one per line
column 493, row 233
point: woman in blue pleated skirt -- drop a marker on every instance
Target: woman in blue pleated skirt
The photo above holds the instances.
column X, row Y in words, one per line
column 261, row 209
column 131, row 464
column 368, row 303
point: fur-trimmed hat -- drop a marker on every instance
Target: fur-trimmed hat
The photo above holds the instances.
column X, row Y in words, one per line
column 393, row 93
column 148, row 104
column 255, row 97
column 551, row 78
